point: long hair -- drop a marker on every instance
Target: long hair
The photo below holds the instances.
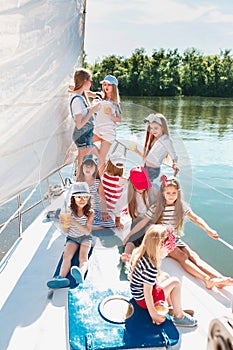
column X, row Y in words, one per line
column 115, row 97
column 150, row 139
column 132, row 202
column 179, row 206
column 150, row 247
column 80, row 76
column 74, row 207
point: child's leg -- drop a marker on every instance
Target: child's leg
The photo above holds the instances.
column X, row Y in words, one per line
column 83, row 256
column 69, row 251
column 78, row 272
column 172, row 290
column 104, row 148
column 182, row 255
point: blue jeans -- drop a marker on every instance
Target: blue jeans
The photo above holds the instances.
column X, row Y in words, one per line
column 83, row 139
column 153, row 173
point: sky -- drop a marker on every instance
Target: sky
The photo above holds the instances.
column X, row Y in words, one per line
column 119, row 27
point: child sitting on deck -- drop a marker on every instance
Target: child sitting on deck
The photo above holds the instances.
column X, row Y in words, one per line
column 114, row 184
column 141, row 195
column 78, row 225
column 171, row 210
column 144, row 271
column 89, row 174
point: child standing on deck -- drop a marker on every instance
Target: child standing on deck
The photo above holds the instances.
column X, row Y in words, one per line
column 171, row 210
column 82, row 113
column 107, row 118
column 144, row 271
column 89, row 174
column 158, row 145
column 114, row 183
column 79, row 236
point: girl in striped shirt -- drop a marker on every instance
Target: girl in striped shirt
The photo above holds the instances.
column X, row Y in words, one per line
column 89, row 173
column 171, row 210
column 144, row 272
column 79, row 225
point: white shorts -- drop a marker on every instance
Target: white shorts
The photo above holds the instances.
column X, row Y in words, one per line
column 106, row 134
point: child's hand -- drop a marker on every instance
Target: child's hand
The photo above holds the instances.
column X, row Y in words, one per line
column 105, row 216
column 213, row 234
column 118, row 223
column 175, row 168
column 95, row 107
column 158, row 319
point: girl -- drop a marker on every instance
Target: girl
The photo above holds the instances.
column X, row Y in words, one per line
column 170, row 209
column 78, row 226
column 82, row 114
column 114, row 184
column 89, row 173
column 141, row 195
column 145, row 269
column 107, row 118
column 158, row 145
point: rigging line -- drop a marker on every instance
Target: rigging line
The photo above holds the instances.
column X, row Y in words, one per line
column 20, row 208
column 225, row 243
column 213, row 188
column 203, row 183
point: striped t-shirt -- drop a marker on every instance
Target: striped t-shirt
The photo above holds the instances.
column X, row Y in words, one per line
column 74, row 231
column 168, row 216
column 145, row 272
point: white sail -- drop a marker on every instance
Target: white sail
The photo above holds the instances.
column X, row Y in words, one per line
column 41, row 41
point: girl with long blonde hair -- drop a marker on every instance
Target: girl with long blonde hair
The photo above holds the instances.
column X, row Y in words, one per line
column 144, row 272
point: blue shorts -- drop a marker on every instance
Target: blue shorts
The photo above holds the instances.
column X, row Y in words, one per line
column 83, row 139
column 79, row 240
column 153, row 173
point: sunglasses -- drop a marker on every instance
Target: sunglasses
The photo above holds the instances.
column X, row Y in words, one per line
column 85, row 198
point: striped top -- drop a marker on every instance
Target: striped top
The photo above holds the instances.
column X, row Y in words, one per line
column 168, row 216
column 145, row 272
column 112, row 190
column 73, row 230
column 94, row 190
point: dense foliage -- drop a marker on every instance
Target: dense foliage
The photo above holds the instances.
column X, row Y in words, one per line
column 168, row 73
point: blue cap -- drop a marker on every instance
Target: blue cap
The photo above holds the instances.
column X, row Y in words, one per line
column 110, row 79
column 90, row 157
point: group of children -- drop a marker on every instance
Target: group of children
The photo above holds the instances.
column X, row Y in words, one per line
column 101, row 194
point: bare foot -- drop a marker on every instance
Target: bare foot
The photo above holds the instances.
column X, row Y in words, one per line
column 226, row 281
column 219, row 282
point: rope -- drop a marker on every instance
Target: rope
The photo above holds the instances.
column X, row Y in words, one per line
column 20, row 208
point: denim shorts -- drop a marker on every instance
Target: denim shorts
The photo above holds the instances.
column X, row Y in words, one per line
column 153, row 173
column 79, row 240
column 83, row 140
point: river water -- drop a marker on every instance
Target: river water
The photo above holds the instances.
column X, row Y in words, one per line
column 202, row 129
